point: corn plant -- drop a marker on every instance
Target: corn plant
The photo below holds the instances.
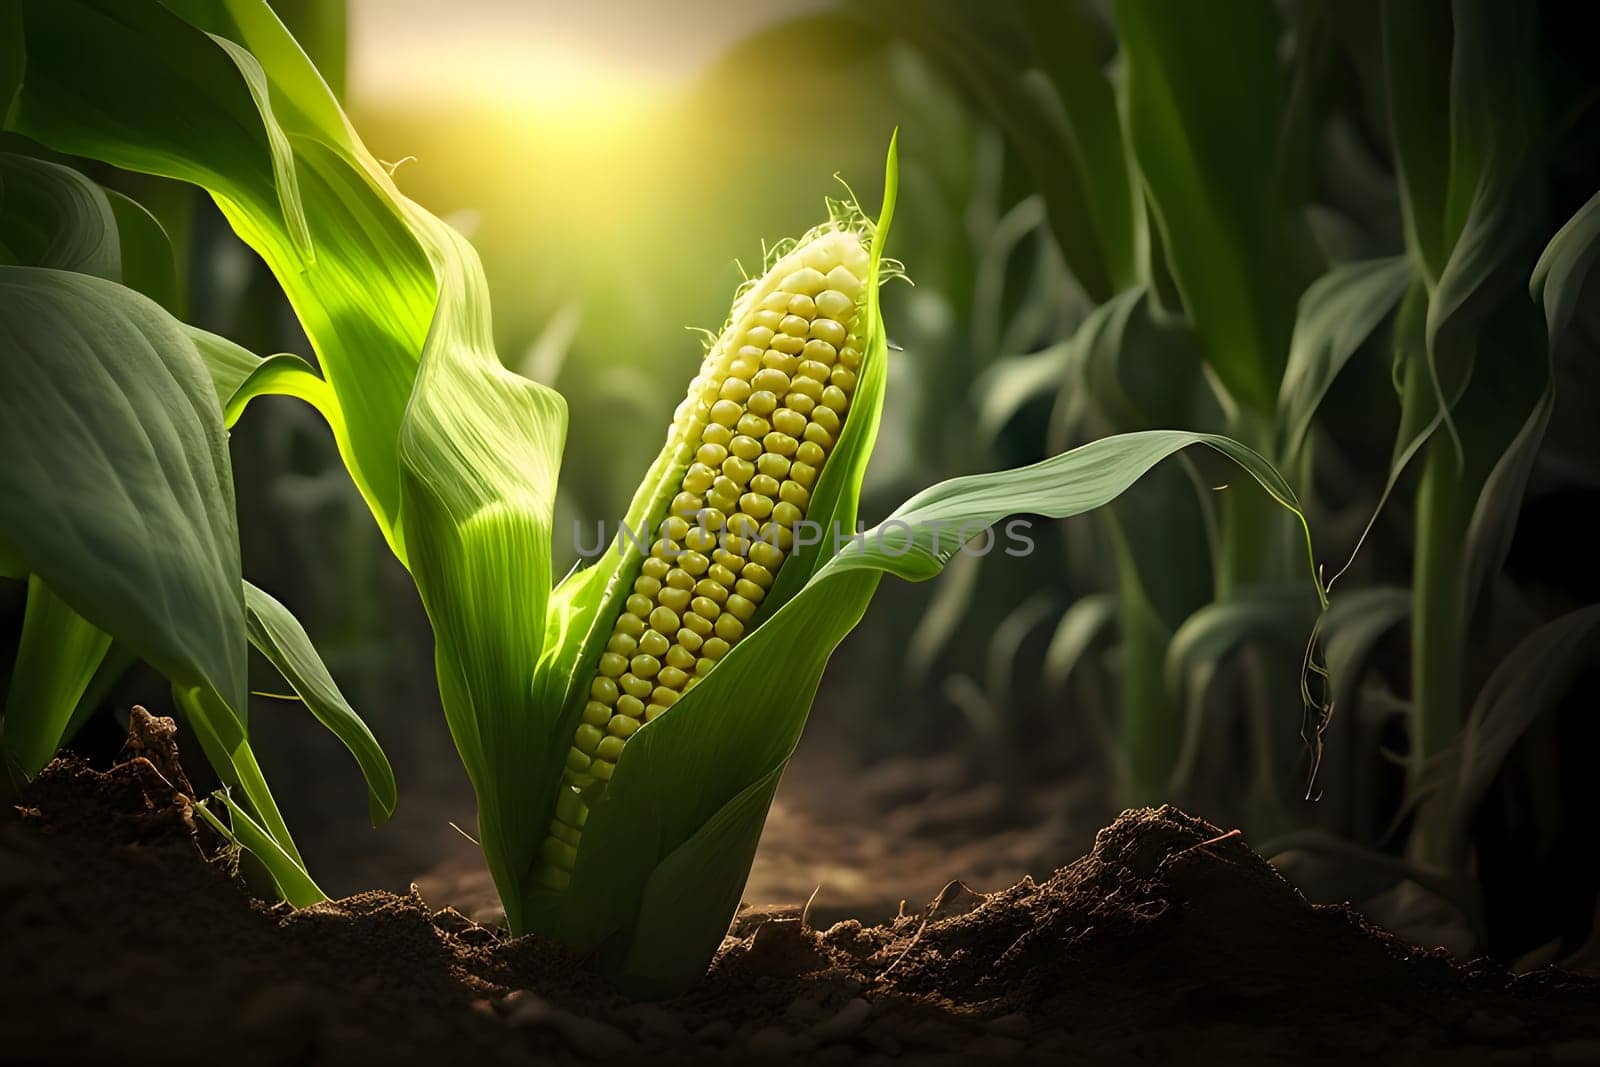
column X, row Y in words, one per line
column 118, row 503
column 624, row 730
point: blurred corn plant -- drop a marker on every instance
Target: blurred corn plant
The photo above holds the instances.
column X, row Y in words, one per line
column 1169, row 174
column 1263, row 200
column 638, row 852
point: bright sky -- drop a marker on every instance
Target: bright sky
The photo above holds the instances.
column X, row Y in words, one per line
column 560, row 52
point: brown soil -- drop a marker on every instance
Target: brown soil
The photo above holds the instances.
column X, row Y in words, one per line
column 857, row 840
column 125, row 936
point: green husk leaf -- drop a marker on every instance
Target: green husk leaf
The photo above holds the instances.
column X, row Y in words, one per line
column 721, row 739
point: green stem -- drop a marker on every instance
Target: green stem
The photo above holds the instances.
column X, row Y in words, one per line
column 1251, row 522
column 1444, row 509
column 1151, row 726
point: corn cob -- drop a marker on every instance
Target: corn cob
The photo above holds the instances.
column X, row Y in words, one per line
column 752, row 436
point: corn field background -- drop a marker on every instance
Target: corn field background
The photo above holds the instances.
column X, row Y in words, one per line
column 1353, row 236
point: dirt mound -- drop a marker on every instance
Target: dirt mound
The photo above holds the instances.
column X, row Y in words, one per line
column 126, row 936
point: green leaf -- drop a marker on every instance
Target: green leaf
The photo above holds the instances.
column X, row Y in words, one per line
column 430, row 427
column 1139, row 366
column 1557, row 284
column 1205, row 97
column 127, row 516
column 1337, row 314
column 219, row 731
column 1199, row 647
column 52, row 216
column 1005, row 647
column 1039, row 69
column 142, row 89
column 1075, row 634
column 148, row 265
column 1469, row 198
column 1558, row 279
column 56, row 658
column 1531, row 680
column 1418, row 76
column 942, row 618
column 239, row 376
column 279, row 636
column 1250, row 613
column 1069, row 484
column 1352, row 626
column 13, row 57
column 480, row 451
column 1011, row 382
column 294, row 884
